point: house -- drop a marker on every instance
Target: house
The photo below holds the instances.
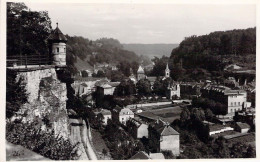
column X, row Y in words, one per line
column 233, row 100
column 173, row 91
column 122, row 115
column 106, row 114
column 140, row 128
column 89, row 84
column 164, row 137
column 107, row 88
column 242, row 127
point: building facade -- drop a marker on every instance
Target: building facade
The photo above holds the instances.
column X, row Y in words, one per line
column 164, row 137
column 233, row 100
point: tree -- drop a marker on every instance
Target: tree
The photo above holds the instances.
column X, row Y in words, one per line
column 125, row 88
column 84, row 73
column 250, row 152
column 208, row 114
column 143, row 87
column 100, row 73
column 197, row 114
column 104, row 152
column 16, row 94
column 185, row 115
column 27, row 30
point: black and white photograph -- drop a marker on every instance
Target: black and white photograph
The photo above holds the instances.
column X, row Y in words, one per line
column 129, row 80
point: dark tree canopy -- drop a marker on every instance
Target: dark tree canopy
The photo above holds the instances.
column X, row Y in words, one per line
column 27, row 30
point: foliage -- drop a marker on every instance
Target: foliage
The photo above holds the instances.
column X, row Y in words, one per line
column 159, row 66
column 27, row 30
column 100, row 73
column 239, row 42
column 104, row 50
column 125, row 88
column 16, row 94
column 205, row 103
column 143, row 87
column 45, row 143
column 120, row 143
column 160, row 86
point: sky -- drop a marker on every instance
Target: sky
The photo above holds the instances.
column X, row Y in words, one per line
column 146, row 23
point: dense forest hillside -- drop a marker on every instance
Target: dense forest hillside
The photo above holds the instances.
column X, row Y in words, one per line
column 205, row 57
column 151, row 50
column 233, row 42
column 83, row 53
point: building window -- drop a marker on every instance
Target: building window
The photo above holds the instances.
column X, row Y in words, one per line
column 58, row 50
column 64, row 49
column 238, row 103
column 231, row 103
column 122, row 119
column 235, row 103
column 231, row 110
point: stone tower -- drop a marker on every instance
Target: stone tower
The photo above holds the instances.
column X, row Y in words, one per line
column 167, row 71
column 140, row 73
column 57, row 47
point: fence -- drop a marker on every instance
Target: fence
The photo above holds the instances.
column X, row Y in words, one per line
column 24, row 60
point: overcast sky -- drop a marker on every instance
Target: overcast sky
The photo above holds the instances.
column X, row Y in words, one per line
column 146, row 23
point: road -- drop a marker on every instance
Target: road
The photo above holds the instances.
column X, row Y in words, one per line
column 79, row 134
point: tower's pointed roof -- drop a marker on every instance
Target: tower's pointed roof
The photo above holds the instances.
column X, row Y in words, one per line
column 140, row 69
column 57, row 36
column 167, row 67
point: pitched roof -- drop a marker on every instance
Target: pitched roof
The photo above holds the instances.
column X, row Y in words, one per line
column 243, row 125
column 126, row 111
column 140, row 70
column 140, row 155
column 114, row 84
column 84, row 84
column 57, row 35
column 105, row 112
column 106, row 86
column 168, row 130
column 148, row 114
column 163, row 128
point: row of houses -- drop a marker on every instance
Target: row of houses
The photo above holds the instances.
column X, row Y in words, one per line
column 162, row 135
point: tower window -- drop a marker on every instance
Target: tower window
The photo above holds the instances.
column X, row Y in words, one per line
column 58, row 50
column 64, row 49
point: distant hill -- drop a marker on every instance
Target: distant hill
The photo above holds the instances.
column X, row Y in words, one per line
column 83, row 53
column 151, row 50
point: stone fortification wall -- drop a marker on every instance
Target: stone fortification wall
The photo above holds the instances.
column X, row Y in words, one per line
column 46, row 101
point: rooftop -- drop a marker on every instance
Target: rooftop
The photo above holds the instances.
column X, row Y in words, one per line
column 242, row 125
column 140, row 155
column 57, row 35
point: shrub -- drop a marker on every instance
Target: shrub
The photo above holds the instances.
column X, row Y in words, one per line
column 45, row 143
